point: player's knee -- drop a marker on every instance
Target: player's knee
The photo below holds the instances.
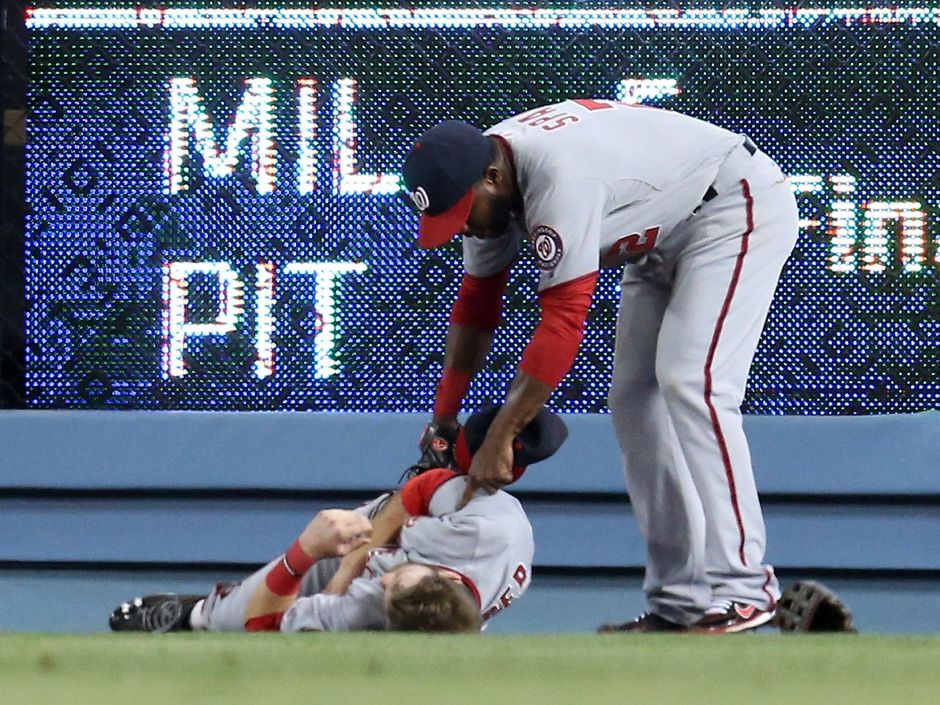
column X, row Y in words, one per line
column 224, row 609
column 689, row 389
column 681, row 384
column 629, row 393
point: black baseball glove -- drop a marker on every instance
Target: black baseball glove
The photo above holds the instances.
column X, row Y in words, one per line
column 437, row 450
column 812, row 607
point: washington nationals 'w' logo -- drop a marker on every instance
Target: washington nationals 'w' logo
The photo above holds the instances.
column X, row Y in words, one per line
column 420, row 198
column 548, row 247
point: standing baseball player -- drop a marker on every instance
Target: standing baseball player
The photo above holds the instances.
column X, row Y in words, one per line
column 409, row 560
column 704, row 222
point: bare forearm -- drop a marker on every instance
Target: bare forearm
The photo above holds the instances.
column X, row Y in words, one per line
column 332, row 532
column 385, row 527
column 388, row 522
column 527, row 396
column 264, row 602
column 467, row 347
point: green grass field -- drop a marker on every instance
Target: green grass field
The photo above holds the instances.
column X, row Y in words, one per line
column 134, row 669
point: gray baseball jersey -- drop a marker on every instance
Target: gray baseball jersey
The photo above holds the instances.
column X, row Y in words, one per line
column 489, row 542
column 707, row 221
column 601, row 183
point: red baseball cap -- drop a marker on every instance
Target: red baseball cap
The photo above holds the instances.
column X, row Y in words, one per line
column 440, row 172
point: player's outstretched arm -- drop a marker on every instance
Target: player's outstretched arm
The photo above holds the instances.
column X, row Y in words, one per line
column 333, row 532
column 492, row 463
column 467, row 348
column 546, row 360
column 385, row 527
column 474, row 316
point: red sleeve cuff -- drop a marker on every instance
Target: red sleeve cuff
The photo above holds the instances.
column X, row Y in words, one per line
column 417, row 492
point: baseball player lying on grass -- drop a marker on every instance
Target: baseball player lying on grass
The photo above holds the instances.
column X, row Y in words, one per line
column 413, row 560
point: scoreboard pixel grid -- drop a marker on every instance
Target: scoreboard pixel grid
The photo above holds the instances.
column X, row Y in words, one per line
column 215, row 225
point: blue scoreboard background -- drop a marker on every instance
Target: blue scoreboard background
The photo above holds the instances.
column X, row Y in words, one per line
column 215, row 220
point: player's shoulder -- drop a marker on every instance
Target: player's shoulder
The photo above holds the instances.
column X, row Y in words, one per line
column 504, row 522
column 498, row 509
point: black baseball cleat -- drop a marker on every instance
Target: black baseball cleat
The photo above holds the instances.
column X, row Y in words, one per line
column 646, row 622
column 160, row 613
column 731, row 617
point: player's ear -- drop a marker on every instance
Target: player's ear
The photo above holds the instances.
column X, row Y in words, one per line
column 493, row 175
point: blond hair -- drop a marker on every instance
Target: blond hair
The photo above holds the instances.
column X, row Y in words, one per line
column 433, row 604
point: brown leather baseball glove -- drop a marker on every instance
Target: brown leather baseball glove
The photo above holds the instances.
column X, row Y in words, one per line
column 809, row 606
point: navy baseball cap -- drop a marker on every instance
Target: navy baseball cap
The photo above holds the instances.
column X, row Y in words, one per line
column 439, row 174
column 540, row 439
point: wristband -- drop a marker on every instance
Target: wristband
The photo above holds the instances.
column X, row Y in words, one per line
column 284, row 578
column 451, row 390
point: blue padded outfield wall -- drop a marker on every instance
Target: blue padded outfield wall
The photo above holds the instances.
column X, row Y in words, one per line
column 96, row 504
column 217, row 261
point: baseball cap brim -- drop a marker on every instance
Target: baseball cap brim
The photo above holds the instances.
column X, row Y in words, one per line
column 435, row 230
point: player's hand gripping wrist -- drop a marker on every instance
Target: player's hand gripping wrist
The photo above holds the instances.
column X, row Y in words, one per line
column 335, row 532
column 491, row 468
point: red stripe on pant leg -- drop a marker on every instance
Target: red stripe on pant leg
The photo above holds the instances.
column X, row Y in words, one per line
column 716, row 335
column 772, row 601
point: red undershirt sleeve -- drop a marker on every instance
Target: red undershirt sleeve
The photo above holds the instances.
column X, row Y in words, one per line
column 556, row 340
column 265, row 623
column 479, row 302
column 417, row 492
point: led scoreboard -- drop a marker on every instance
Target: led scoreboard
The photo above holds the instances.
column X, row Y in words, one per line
column 215, row 219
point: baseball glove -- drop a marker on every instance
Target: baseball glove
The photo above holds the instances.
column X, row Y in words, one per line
column 437, row 450
column 812, row 607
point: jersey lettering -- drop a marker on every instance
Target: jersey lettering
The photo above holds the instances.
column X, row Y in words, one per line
column 527, row 118
column 635, row 243
column 548, row 118
column 560, row 122
column 551, row 117
column 506, row 598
